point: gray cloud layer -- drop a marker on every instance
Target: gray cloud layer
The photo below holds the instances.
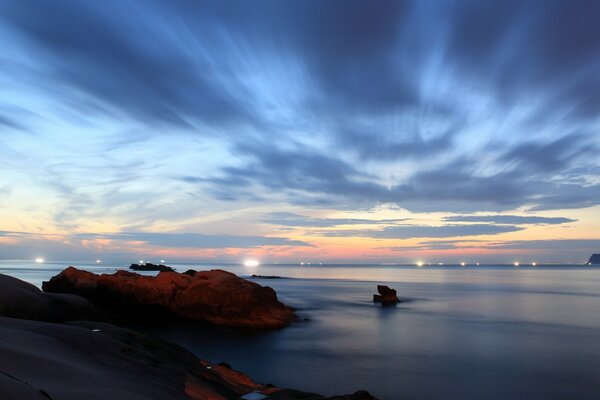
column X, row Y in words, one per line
column 296, row 220
column 416, row 231
column 510, row 219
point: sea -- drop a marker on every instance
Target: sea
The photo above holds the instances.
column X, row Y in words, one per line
column 461, row 332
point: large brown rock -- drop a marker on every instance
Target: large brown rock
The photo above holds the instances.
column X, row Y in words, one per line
column 218, row 297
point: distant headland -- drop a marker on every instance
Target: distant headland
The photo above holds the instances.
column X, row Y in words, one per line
column 594, row 259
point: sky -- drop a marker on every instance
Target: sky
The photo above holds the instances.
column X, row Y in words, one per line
column 300, row 131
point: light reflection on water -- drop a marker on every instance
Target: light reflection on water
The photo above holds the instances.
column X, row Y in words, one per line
column 463, row 333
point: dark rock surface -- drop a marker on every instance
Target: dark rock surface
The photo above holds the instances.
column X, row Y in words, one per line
column 20, row 299
column 386, row 295
column 99, row 361
column 151, row 267
column 594, row 259
column 218, row 297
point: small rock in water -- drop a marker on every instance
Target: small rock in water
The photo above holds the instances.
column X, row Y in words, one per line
column 386, row 295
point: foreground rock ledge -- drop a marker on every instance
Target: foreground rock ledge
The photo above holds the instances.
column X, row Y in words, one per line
column 98, row 361
column 218, row 297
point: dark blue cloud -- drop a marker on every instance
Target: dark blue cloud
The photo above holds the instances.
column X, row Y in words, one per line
column 418, row 231
column 7, row 122
column 519, row 180
column 125, row 65
column 520, row 47
column 588, row 245
column 510, row 219
column 296, row 220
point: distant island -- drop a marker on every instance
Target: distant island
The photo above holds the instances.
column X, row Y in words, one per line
column 594, row 259
column 151, row 267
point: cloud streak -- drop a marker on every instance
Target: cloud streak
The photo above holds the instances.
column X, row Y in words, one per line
column 416, row 231
column 296, row 220
column 510, row 219
column 194, row 240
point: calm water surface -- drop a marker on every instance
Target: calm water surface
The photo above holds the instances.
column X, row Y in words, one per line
column 493, row 332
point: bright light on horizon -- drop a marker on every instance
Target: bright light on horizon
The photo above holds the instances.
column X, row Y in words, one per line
column 251, row 263
column 39, row 260
column 419, row 263
column 462, row 264
column 516, row 264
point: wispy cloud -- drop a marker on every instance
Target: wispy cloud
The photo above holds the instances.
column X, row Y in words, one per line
column 194, row 240
column 296, row 220
column 418, row 231
column 510, row 219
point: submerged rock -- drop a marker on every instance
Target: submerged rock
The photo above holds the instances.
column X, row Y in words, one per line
column 151, row 267
column 594, row 259
column 386, row 295
column 218, row 297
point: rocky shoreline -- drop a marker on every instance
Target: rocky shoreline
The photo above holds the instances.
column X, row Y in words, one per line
column 44, row 357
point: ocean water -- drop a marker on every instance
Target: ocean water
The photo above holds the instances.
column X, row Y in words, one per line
column 488, row 332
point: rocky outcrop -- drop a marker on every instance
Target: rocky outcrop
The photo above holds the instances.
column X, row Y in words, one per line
column 386, row 295
column 151, row 267
column 98, row 361
column 41, row 360
column 594, row 259
column 20, row 299
column 218, row 297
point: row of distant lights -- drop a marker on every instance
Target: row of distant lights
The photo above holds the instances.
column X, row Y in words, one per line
column 462, row 264
column 255, row 263
column 40, row 260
